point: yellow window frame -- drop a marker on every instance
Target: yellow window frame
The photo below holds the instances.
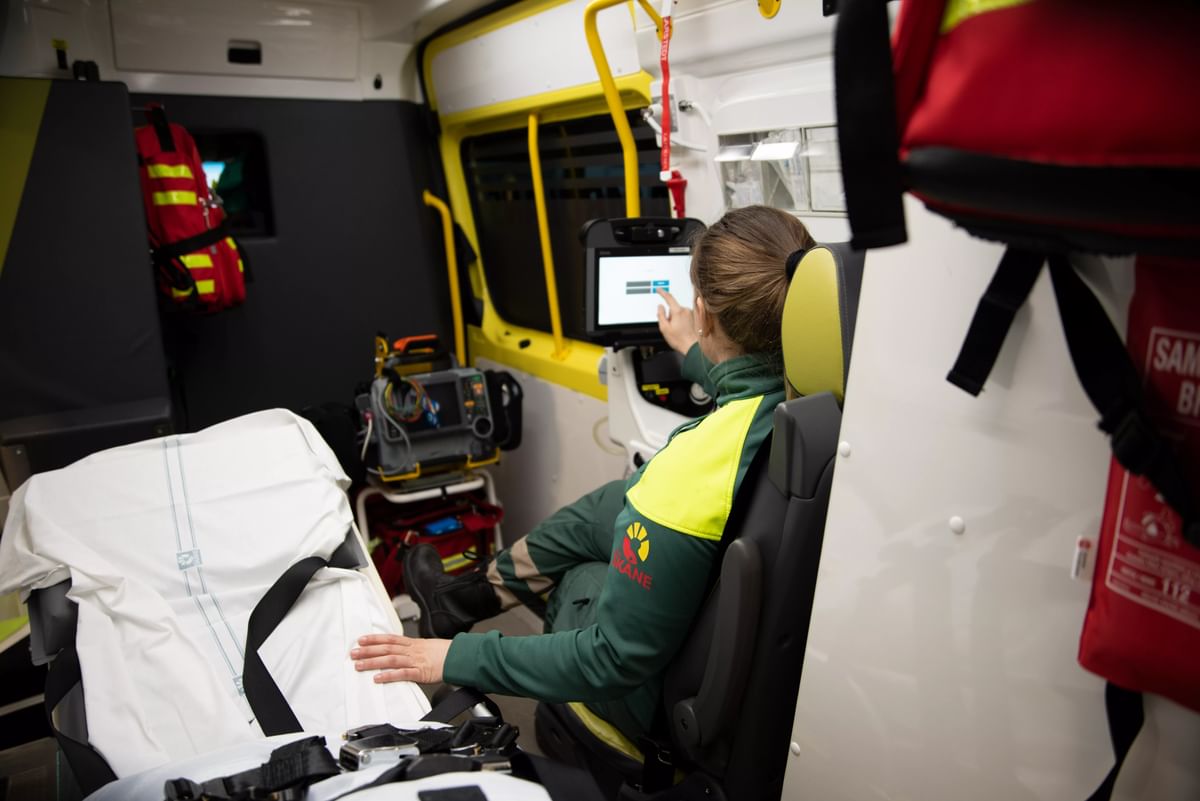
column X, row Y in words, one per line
column 526, row 349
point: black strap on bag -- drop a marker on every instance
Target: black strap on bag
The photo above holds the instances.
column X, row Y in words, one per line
column 174, row 250
column 868, row 139
column 1010, row 286
column 274, row 714
column 1101, row 362
column 1113, row 386
column 1125, row 718
column 157, row 118
column 90, row 769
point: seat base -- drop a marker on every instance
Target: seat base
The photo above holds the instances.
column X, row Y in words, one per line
column 563, row 737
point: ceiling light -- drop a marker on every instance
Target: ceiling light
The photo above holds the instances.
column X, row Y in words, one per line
column 774, row 151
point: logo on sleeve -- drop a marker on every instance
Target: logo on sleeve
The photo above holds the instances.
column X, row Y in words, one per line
column 631, row 558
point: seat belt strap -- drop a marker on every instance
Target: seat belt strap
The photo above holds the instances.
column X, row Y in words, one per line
column 1125, row 718
column 274, row 714
column 1112, row 384
column 90, row 768
column 1010, row 287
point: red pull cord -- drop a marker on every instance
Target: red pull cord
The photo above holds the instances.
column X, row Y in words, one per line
column 675, row 182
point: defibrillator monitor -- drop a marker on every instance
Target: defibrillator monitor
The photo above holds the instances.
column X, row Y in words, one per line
column 628, row 262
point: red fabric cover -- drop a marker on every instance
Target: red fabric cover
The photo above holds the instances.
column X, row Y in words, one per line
column 174, row 222
column 1142, row 629
column 1105, row 82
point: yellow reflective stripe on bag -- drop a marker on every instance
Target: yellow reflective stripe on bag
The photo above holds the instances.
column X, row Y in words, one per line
column 958, row 11
column 204, row 287
column 174, row 198
column 169, row 171
column 196, row 260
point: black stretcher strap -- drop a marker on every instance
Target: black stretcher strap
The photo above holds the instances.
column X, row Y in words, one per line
column 272, row 710
column 867, row 134
column 459, row 701
column 1010, row 286
column 1125, row 718
column 1112, row 384
column 90, row 769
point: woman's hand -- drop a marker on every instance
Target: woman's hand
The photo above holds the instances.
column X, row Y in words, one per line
column 399, row 658
column 677, row 324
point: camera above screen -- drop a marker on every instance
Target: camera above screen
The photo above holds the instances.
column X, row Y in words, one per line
column 627, row 262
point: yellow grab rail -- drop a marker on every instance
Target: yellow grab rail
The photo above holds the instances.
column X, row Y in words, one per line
column 649, row 9
column 460, row 347
column 539, row 199
column 633, row 203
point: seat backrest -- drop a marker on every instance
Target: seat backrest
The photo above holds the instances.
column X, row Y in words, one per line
column 730, row 693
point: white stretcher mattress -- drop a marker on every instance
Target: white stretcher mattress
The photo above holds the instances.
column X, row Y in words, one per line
column 169, row 545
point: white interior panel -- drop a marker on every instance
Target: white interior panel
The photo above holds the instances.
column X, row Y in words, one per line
column 564, row 452
column 538, row 54
column 299, row 40
column 714, row 37
column 942, row 666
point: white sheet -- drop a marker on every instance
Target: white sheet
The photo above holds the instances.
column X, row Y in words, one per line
column 169, row 545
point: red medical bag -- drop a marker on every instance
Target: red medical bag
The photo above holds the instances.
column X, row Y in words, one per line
column 1142, row 630
column 461, row 528
column 198, row 263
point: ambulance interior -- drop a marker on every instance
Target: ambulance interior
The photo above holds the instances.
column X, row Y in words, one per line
column 426, row 167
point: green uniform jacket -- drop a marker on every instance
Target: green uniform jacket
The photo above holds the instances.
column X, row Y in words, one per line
column 664, row 542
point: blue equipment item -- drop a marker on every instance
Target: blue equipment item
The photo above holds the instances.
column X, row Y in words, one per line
column 445, row 525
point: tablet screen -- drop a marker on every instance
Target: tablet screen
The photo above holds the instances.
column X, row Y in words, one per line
column 627, row 286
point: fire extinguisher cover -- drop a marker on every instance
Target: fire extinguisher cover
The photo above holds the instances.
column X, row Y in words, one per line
column 1142, row 629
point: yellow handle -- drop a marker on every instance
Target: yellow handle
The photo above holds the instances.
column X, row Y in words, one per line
column 460, row 348
column 633, row 203
column 539, row 198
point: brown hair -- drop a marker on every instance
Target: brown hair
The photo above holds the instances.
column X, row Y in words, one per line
column 739, row 268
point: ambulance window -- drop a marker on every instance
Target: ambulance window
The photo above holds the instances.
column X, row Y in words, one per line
column 235, row 167
column 583, row 177
column 796, row 169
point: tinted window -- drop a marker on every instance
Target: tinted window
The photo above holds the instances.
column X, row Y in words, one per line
column 584, row 180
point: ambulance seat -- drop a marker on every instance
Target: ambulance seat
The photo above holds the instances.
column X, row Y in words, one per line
column 729, row 695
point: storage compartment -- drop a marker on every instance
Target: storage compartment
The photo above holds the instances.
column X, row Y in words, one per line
column 236, row 37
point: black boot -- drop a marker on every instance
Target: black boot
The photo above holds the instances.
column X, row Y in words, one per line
column 449, row 604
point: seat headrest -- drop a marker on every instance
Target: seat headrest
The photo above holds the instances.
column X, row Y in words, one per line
column 818, row 319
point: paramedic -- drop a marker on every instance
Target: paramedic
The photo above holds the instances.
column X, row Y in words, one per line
column 629, row 563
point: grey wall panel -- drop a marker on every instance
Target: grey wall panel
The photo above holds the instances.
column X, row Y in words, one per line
column 78, row 326
column 354, row 251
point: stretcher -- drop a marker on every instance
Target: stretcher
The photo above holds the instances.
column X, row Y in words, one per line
column 197, row 597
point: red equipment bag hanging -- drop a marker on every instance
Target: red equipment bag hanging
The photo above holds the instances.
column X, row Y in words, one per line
column 1142, row 630
column 1055, row 124
column 199, row 266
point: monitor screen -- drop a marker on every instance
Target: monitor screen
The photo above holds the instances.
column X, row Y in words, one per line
column 627, row 286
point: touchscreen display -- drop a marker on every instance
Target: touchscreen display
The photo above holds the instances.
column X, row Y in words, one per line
column 627, row 286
